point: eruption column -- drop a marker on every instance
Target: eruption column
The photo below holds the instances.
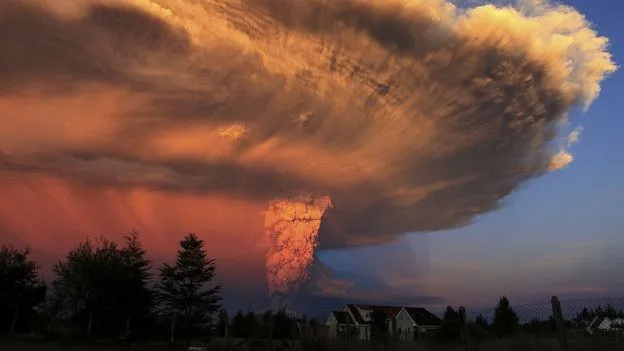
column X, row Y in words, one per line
column 292, row 227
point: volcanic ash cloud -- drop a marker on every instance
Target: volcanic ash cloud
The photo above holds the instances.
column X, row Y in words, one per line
column 411, row 116
column 292, row 226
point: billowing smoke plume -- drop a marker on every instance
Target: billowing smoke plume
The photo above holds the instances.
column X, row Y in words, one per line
column 410, row 115
column 292, row 226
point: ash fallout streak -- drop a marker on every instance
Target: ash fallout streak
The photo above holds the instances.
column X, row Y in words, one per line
column 355, row 121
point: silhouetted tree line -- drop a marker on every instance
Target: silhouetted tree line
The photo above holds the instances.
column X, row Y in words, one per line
column 506, row 323
column 101, row 289
column 267, row 325
column 455, row 327
column 105, row 290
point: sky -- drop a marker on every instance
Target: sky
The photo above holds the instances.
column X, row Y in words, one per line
column 358, row 151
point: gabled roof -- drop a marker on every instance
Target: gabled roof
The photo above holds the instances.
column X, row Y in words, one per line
column 421, row 316
column 356, row 314
column 342, row 317
column 594, row 324
column 389, row 311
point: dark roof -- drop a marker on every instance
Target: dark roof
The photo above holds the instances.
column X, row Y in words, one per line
column 421, row 316
column 389, row 311
column 342, row 317
column 356, row 314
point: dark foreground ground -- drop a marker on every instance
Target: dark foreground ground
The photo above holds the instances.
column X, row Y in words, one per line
column 516, row 344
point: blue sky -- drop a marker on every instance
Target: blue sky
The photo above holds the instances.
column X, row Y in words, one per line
column 562, row 234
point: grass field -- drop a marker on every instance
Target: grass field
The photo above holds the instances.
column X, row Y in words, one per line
column 512, row 344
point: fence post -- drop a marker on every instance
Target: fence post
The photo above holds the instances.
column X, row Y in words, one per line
column 348, row 332
column 464, row 327
column 292, row 333
column 226, row 322
column 270, row 332
column 560, row 325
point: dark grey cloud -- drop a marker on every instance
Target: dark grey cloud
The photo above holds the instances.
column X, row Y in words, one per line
column 41, row 47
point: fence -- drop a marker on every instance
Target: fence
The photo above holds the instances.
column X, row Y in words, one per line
column 581, row 324
column 543, row 310
column 569, row 325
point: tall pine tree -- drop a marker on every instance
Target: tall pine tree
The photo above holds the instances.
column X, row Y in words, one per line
column 138, row 297
column 183, row 293
column 505, row 318
column 451, row 325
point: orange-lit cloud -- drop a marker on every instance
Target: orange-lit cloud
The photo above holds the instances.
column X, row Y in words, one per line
column 409, row 115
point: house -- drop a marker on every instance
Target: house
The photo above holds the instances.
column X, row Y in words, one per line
column 362, row 315
column 413, row 322
column 398, row 320
column 617, row 324
column 337, row 322
column 605, row 324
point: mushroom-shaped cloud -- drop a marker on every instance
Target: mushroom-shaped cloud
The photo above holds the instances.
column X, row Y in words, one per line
column 407, row 116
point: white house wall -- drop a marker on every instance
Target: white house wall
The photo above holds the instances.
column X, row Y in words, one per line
column 605, row 325
column 406, row 326
column 363, row 329
column 332, row 326
column 364, row 332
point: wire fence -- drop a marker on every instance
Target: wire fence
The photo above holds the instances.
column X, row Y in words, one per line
column 568, row 325
column 578, row 324
column 543, row 310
